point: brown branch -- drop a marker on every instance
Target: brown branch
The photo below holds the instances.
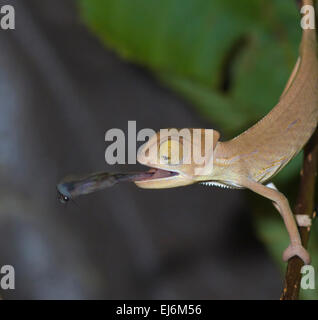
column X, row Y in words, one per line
column 304, row 205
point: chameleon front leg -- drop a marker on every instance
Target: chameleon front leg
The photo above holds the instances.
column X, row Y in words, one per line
column 302, row 220
column 295, row 247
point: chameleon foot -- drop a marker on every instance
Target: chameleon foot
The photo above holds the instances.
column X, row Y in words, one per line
column 296, row 250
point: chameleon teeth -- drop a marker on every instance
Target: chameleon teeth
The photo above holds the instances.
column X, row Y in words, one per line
column 216, row 184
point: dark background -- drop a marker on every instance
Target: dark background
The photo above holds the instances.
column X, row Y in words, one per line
column 60, row 90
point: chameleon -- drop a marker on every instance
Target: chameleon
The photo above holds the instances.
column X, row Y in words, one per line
column 248, row 161
column 251, row 159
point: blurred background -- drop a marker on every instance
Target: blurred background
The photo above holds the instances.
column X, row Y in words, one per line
column 70, row 71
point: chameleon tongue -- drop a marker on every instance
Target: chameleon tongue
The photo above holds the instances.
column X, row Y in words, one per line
column 153, row 173
column 134, row 176
column 74, row 186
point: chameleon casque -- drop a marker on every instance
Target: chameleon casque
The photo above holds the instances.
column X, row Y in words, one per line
column 251, row 159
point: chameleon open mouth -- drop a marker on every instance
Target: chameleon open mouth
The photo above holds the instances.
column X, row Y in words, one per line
column 154, row 174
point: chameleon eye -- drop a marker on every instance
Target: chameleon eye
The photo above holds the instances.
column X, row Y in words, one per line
column 170, row 152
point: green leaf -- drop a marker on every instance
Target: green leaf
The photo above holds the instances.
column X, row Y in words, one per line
column 234, row 55
column 210, row 104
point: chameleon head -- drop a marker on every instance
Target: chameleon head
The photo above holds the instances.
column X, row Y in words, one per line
column 177, row 157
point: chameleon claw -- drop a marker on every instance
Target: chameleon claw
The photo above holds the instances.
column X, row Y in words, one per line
column 296, row 250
